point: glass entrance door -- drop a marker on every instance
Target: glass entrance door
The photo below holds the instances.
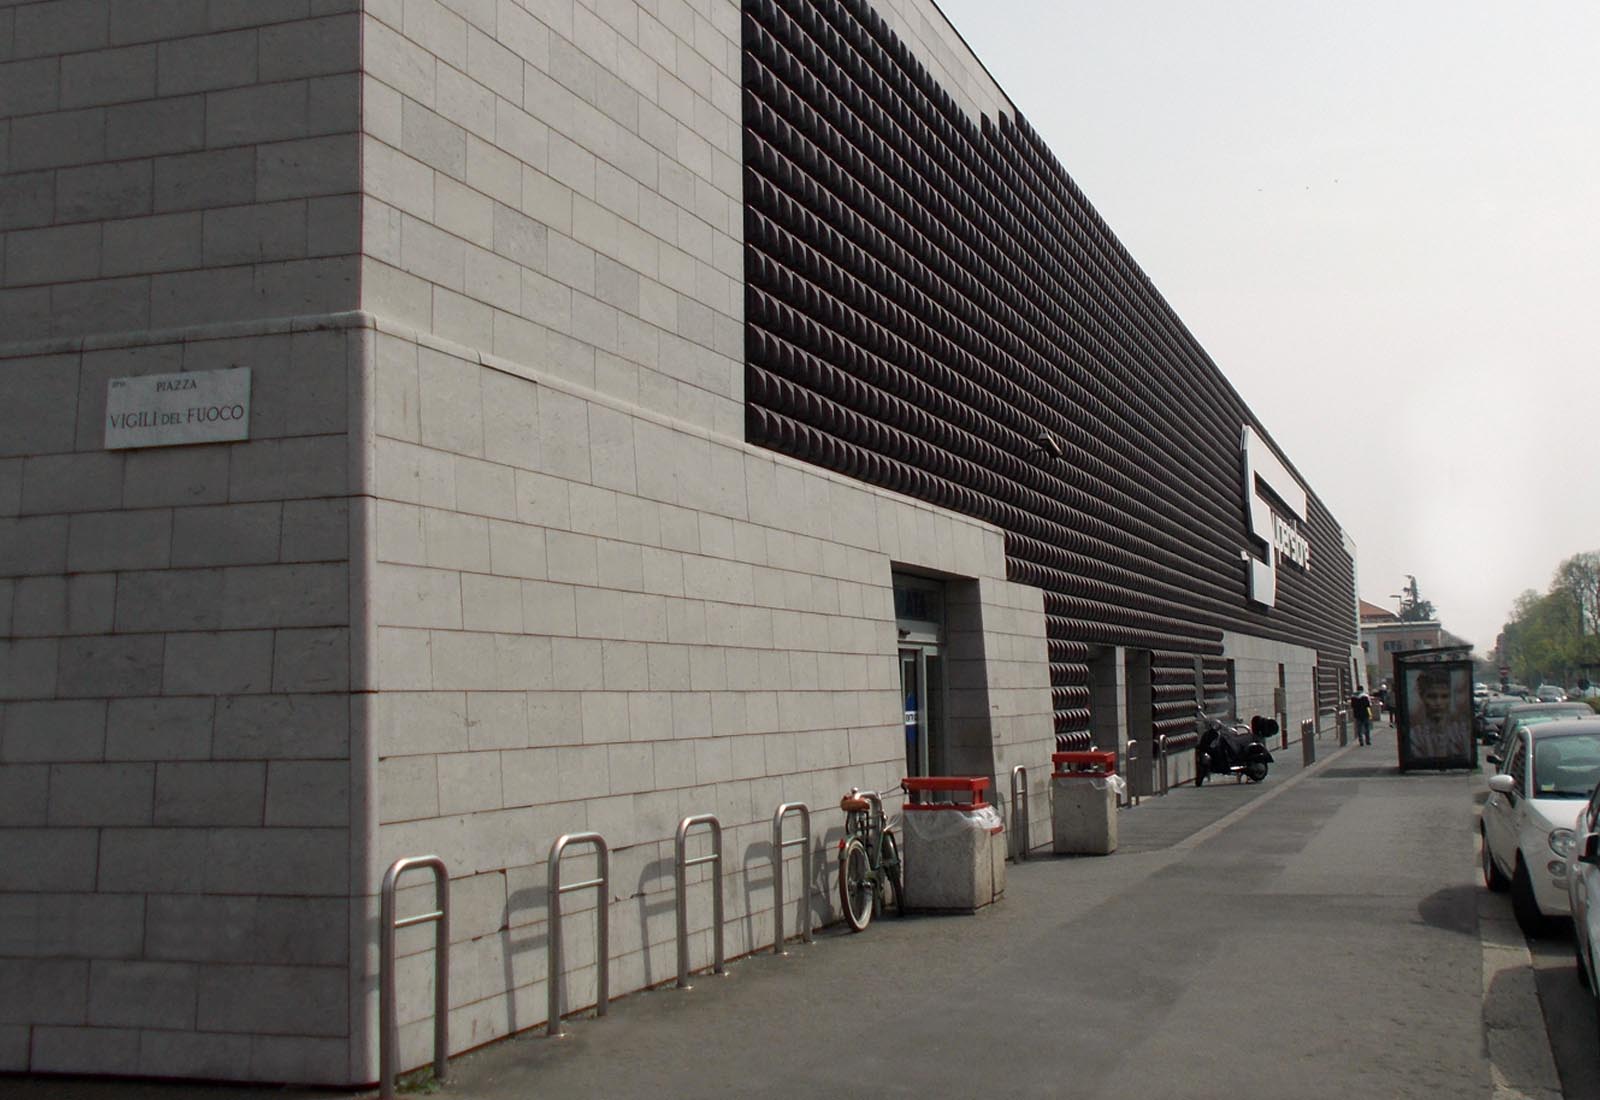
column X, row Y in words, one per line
column 921, row 691
column 915, row 698
column 919, row 621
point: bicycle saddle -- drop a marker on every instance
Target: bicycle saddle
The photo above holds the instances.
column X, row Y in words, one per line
column 854, row 804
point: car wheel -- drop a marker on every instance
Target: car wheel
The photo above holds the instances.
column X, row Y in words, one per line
column 1492, row 876
column 1524, row 906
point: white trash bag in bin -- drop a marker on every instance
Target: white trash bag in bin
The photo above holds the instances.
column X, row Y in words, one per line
column 937, row 825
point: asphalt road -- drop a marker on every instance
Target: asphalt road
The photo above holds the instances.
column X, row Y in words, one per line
column 1569, row 1016
column 1324, row 934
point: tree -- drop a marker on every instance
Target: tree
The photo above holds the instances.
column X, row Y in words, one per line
column 1579, row 579
column 1556, row 636
column 1536, row 637
column 1413, row 608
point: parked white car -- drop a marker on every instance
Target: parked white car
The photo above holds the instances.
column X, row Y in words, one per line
column 1583, row 891
column 1530, row 817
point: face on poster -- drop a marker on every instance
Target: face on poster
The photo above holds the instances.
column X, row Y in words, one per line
column 1439, row 706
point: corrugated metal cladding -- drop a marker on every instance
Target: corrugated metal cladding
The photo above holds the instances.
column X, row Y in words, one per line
column 926, row 296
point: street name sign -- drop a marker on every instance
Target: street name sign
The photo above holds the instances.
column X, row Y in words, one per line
column 168, row 410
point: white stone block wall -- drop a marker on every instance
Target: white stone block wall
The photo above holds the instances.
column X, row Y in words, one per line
column 179, row 163
column 175, row 719
column 174, row 641
column 1256, row 662
column 558, row 182
column 589, row 617
column 1020, row 727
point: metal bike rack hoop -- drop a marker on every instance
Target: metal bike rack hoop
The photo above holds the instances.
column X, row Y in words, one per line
column 388, row 998
column 1019, row 808
column 602, row 952
column 803, row 841
column 681, row 867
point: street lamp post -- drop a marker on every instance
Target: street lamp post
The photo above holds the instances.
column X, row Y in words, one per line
column 1400, row 614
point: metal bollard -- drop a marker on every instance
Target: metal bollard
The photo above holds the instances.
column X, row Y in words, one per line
column 1343, row 718
column 803, row 841
column 1308, row 744
column 1133, row 772
column 1162, row 763
column 1019, row 809
column 681, row 867
column 602, row 931
column 388, row 998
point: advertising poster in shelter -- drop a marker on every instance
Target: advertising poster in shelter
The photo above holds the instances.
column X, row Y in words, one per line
column 1435, row 716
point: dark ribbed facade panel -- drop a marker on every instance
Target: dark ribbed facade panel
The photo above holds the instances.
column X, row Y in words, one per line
column 927, row 296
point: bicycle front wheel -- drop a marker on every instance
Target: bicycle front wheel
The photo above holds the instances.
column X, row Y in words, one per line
column 856, row 891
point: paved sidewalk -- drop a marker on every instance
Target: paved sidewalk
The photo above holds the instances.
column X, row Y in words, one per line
column 1164, row 820
column 865, row 977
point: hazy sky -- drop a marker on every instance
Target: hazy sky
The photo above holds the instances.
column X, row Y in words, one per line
column 1382, row 220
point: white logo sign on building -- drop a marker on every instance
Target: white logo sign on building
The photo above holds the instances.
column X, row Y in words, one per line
column 167, row 410
column 1282, row 538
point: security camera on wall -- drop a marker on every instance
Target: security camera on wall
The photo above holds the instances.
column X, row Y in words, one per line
column 1048, row 446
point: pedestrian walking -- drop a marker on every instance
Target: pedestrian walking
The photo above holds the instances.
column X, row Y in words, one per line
column 1361, row 707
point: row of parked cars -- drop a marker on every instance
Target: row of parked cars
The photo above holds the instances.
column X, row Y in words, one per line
column 1540, row 826
column 1489, row 709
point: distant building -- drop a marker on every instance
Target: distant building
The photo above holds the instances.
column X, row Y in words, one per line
column 1383, row 635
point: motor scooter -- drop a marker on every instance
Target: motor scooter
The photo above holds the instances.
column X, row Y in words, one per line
column 1228, row 750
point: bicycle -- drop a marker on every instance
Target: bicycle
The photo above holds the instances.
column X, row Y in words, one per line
column 869, row 860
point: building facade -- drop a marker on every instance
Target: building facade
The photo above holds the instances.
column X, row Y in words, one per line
column 1383, row 634
column 653, row 408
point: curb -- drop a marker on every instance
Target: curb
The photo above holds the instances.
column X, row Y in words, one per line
column 1521, row 1064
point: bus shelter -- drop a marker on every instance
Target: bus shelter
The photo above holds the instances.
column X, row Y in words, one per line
column 1433, row 693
